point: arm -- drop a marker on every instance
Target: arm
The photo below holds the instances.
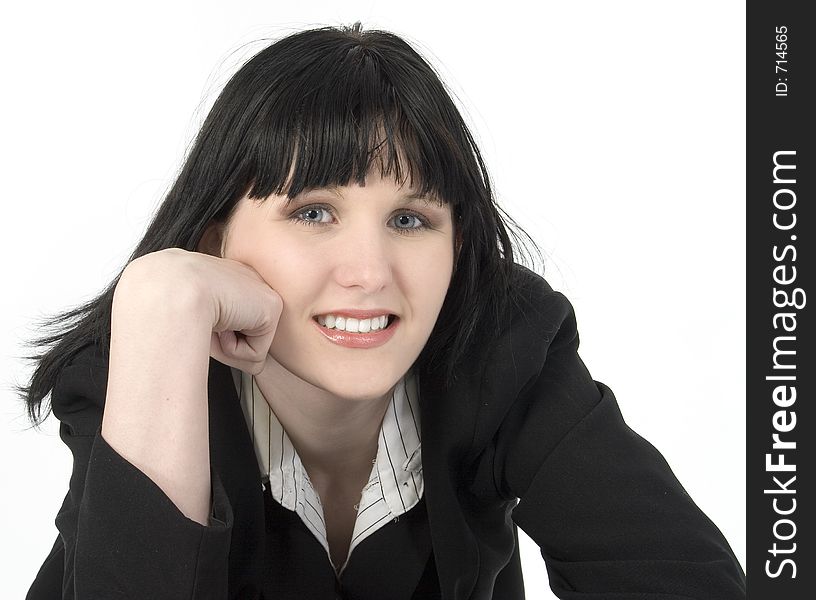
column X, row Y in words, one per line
column 156, row 404
column 146, row 516
column 608, row 514
column 120, row 535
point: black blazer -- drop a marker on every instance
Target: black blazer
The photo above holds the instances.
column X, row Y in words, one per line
column 524, row 438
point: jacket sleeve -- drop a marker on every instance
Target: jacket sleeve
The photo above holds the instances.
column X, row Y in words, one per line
column 120, row 536
column 609, row 516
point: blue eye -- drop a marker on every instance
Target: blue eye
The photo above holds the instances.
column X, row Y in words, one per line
column 410, row 216
column 310, row 209
column 419, row 222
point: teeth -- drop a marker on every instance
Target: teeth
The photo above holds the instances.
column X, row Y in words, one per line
column 353, row 325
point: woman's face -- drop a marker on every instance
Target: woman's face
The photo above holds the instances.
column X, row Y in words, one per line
column 351, row 247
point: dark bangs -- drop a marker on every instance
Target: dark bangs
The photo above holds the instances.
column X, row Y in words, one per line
column 328, row 115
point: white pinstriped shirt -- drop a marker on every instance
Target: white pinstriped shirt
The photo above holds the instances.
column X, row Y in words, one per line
column 394, row 486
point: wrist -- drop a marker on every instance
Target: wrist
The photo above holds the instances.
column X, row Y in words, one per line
column 169, row 298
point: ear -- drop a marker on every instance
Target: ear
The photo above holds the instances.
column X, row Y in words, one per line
column 212, row 239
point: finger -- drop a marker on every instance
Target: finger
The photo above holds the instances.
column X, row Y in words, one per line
column 235, row 345
column 231, row 351
column 258, row 345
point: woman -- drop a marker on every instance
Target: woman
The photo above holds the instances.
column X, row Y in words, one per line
column 322, row 373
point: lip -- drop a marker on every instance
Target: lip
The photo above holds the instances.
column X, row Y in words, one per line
column 372, row 339
column 356, row 313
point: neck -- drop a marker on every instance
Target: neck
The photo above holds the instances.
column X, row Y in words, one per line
column 335, row 438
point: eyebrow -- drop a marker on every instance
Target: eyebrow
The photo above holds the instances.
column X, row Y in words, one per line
column 404, row 200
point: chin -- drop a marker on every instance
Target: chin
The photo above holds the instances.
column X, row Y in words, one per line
column 361, row 389
column 353, row 378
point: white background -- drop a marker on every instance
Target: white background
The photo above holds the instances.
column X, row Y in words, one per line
column 614, row 133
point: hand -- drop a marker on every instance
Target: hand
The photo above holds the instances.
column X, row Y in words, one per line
column 237, row 305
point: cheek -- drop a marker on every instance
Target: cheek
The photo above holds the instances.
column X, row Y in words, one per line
column 297, row 274
column 430, row 280
column 279, row 264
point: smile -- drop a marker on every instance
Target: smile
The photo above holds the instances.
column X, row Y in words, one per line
column 353, row 325
column 358, row 339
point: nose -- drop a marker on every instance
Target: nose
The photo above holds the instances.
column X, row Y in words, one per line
column 364, row 259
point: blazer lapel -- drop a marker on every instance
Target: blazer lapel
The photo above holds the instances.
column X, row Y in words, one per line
column 444, row 444
column 233, row 460
column 407, row 546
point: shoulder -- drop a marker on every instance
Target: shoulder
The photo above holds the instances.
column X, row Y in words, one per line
column 78, row 396
column 89, row 362
column 511, row 344
column 534, row 316
column 535, row 323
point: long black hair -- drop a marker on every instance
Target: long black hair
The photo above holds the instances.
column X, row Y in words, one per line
column 313, row 109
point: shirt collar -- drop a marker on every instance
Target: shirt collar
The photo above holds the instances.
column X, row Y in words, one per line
column 396, row 474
